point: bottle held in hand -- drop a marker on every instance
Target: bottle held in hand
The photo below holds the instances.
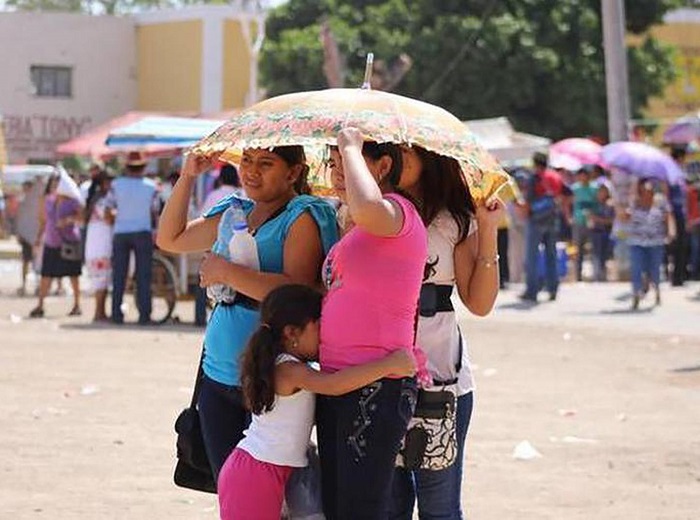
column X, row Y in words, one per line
column 241, row 250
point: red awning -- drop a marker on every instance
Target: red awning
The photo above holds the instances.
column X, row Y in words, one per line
column 92, row 143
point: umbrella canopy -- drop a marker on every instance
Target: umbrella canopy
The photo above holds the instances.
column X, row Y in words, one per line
column 180, row 132
column 685, row 130
column 584, row 151
column 315, row 118
column 642, row 160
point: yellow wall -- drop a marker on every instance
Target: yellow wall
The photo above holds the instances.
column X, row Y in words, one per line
column 170, row 66
column 236, row 65
column 683, row 95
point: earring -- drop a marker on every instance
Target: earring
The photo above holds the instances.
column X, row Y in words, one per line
column 295, row 343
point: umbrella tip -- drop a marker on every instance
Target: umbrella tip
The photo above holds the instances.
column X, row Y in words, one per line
column 367, row 83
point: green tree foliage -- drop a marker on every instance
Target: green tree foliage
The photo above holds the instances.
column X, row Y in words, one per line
column 539, row 62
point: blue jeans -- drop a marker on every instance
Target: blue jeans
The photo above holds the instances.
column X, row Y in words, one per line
column 223, row 418
column 359, row 436
column 695, row 251
column 122, row 246
column 200, row 305
column 645, row 260
column 439, row 492
column 534, row 236
column 600, row 239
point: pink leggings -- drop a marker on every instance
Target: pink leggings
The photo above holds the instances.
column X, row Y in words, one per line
column 250, row 489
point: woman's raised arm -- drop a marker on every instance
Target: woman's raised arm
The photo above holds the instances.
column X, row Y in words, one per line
column 175, row 233
column 368, row 208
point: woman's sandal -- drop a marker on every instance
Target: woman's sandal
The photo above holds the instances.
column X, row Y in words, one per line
column 37, row 312
column 75, row 311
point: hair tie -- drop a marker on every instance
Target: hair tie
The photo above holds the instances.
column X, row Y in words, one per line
column 265, row 326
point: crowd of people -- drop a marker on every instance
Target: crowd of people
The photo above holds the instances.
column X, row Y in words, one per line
column 103, row 227
column 652, row 226
column 364, row 289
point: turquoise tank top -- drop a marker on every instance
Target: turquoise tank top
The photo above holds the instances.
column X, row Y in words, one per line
column 230, row 326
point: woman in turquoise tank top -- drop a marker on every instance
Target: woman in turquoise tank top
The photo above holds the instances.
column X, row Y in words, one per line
column 293, row 231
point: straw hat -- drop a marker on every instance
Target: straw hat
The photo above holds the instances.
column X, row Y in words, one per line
column 135, row 159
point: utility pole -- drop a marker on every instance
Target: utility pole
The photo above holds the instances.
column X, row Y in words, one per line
column 616, row 78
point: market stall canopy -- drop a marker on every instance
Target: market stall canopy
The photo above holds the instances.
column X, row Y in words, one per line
column 510, row 147
column 92, row 143
column 179, row 132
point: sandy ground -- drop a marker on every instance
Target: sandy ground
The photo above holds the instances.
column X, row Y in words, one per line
column 87, row 411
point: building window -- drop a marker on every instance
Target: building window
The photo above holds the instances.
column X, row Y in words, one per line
column 52, row 81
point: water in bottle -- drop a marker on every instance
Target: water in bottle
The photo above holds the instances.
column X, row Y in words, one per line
column 242, row 248
column 220, row 293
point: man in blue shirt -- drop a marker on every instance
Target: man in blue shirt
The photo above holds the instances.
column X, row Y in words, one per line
column 132, row 198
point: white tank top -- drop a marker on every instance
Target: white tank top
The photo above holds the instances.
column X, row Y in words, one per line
column 439, row 335
column 281, row 435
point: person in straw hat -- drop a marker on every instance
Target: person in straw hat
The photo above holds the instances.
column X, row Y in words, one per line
column 132, row 204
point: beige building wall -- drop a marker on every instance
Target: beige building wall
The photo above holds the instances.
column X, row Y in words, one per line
column 101, row 51
column 682, row 29
column 170, row 66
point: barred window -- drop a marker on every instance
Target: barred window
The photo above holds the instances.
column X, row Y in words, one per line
column 52, row 81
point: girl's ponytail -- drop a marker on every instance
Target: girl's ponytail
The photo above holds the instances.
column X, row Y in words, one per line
column 286, row 306
column 258, row 370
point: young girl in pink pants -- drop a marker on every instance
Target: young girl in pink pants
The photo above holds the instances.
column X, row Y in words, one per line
column 279, row 389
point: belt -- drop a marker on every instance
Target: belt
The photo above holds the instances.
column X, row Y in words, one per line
column 435, row 298
column 243, row 301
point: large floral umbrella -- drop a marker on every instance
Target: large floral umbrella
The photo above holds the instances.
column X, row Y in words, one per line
column 585, row 151
column 315, row 118
column 642, row 160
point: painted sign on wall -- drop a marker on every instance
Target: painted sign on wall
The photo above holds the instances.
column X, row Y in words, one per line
column 36, row 136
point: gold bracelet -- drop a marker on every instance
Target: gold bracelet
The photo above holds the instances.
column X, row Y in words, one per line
column 487, row 261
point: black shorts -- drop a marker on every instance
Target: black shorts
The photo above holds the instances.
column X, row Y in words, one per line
column 27, row 250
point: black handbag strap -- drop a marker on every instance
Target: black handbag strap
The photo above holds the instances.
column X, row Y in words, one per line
column 198, row 381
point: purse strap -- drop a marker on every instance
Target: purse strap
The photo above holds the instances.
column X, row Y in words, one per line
column 198, row 381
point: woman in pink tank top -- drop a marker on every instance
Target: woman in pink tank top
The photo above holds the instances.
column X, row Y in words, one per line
column 373, row 277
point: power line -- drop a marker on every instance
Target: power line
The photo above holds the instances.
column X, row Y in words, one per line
column 463, row 51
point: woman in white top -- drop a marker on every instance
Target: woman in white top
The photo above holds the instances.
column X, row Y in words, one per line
column 278, row 387
column 98, row 241
column 462, row 252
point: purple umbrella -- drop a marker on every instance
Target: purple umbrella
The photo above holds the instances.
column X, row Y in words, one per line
column 642, row 160
column 685, row 130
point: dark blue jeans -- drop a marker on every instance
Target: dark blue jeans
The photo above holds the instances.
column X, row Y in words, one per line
column 439, row 492
column 600, row 240
column 142, row 246
column 534, row 236
column 645, row 260
column 359, row 436
column 223, row 418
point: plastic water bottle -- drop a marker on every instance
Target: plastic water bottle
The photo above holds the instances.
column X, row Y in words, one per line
column 233, row 219
column 242, row 248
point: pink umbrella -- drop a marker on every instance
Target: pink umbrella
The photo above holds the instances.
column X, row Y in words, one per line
column 583, row 150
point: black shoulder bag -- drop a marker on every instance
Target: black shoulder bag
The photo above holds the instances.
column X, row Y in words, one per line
column 193, row 470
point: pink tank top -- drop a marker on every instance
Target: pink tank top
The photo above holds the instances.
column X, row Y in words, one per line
column 373, row 288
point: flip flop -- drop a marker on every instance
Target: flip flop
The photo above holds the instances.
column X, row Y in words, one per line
column 38, row 312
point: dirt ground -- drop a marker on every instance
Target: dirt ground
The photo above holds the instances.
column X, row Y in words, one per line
column 609, row 399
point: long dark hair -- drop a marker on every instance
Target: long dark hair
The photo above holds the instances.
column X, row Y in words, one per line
column 294, row 155
column 443, row 186
column 286, row 306
column 376, row 151
column 94, row 192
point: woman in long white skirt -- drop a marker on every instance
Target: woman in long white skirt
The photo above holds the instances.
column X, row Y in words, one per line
column 98, row 242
